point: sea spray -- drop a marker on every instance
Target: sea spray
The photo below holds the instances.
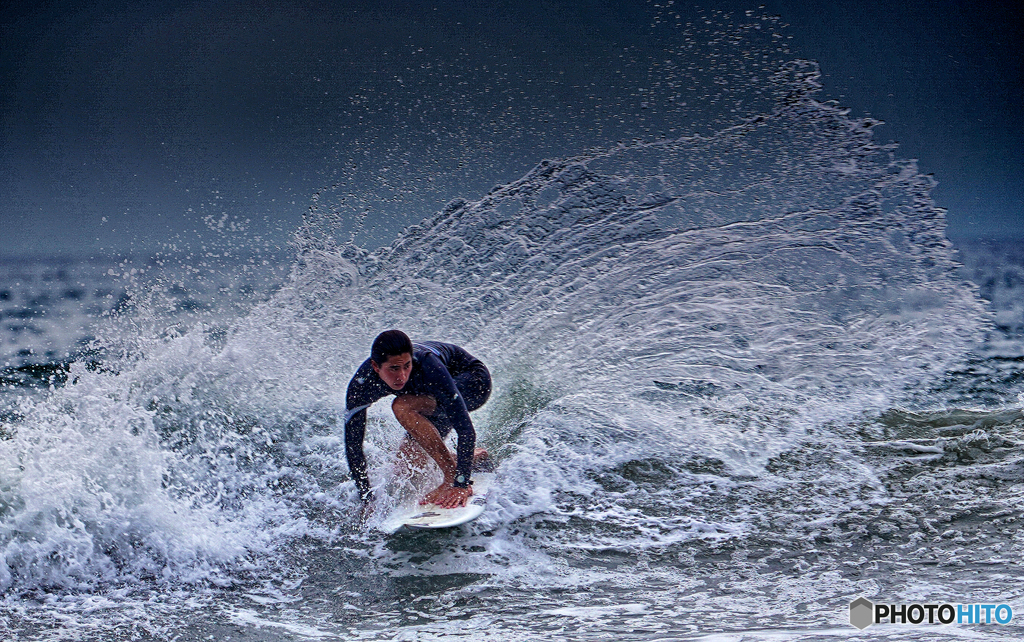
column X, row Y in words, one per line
column 706, row 298
column 693, row 340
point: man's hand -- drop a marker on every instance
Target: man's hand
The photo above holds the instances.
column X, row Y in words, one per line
column 448, row 496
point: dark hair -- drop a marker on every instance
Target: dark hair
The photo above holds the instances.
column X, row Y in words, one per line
column 388, row 344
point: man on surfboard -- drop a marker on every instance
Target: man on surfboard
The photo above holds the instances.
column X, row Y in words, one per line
column 436, row 386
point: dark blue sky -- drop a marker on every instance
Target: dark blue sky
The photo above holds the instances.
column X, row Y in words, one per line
column 947, row 78
column 134, row 125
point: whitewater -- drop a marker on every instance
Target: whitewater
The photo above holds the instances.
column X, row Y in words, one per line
column 741, row 379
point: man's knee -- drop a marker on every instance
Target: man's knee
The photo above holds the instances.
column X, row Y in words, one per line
column 405, row 405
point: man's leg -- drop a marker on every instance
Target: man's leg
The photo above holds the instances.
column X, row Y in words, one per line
column 410, row 453
column 412, row 411
column 411, row 458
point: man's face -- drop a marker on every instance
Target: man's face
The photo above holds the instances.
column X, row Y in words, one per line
column 395, row 371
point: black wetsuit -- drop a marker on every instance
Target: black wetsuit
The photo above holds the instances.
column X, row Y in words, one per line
column 458, row 382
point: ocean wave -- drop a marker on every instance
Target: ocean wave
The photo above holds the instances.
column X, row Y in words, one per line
column 678, row 330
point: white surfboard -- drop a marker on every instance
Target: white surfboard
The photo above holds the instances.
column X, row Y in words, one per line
column 413, row 515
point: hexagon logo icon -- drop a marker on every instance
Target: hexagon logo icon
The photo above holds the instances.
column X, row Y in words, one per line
column 860, row 613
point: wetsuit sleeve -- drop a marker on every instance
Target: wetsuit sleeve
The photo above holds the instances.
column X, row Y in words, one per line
column 355, row 430
column 359, row 397
column 454, row 407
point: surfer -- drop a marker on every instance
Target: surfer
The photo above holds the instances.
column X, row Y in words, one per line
column 436, row 386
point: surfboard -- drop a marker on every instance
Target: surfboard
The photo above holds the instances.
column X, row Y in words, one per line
column 413, row 515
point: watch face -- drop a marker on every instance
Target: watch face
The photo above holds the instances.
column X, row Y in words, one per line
column 461, row 479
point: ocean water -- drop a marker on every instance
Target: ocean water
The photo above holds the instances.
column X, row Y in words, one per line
column 741, row 379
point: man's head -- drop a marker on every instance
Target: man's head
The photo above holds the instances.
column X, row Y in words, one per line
column 391, row 358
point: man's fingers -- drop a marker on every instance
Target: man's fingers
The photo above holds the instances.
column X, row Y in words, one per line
column 446, row 497
column 455, row 500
